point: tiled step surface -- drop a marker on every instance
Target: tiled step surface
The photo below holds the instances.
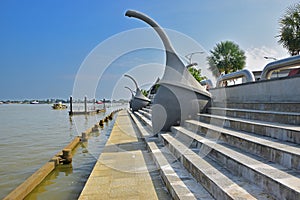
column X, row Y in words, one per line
column 286, row 154
column 269, row 116
column 284, row 132
column 215, row 179
column 255, row 171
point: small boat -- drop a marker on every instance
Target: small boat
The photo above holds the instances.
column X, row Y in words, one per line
column 34, row 102
column 100, row 110
column 59, row 106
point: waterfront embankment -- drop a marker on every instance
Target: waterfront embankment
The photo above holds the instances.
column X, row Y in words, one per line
column 124, row 168
column 31, row 134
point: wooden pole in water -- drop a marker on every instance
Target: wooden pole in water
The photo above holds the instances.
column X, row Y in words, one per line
column 85, row 104
column 71, row 105
column 94, row 104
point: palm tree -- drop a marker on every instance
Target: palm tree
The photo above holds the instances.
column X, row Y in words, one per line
column 226, row 57
column 290, row 30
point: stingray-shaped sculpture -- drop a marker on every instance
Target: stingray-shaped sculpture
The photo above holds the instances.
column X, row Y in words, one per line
column 138, row 101
column 132, row 96
column 179, row 96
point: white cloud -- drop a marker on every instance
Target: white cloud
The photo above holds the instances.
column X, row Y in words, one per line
column 255, row 56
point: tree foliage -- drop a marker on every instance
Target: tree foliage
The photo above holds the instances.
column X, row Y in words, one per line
column 144, row 92
column 196, row 73
column 226, row 57
column 289, row 36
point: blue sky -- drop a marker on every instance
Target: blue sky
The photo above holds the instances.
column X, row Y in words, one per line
column 44, row 43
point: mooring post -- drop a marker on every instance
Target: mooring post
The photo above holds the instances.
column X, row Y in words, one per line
column 71, row 105
column 85, row 104
column 67, row 156
column 84, row 136
column 94, row 104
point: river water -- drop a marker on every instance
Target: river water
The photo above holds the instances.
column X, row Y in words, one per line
column 30, row 135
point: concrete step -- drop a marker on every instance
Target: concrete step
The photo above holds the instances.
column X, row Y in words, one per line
column 148, row 110
column 279, row 107
column 143, row 129
column 284, row 153
column 179, row 182
column 215, row 179
column 282, row 183
column 269, row 116
column 144, row 120
column 146, row 114
column 284, row 132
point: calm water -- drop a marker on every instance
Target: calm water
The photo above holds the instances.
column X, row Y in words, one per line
column 30, row 135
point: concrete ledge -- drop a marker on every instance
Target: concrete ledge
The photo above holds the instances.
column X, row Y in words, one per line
column 276, row 90
column 34, row 180
column 73, row 143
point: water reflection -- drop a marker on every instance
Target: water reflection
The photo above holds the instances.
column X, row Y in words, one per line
column 66, row 169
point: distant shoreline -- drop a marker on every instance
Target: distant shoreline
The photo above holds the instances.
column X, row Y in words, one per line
column 52, row 101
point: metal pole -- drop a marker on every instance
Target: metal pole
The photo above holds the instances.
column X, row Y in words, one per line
column 71, row 105
column 85, row 104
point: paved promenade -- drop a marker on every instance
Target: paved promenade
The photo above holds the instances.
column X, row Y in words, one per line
column 121, row 171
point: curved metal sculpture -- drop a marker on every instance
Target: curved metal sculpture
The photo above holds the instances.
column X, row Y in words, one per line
column 138, row 101
column 234, row 75
column 132, row 96
column 179, row 96
column 282, row 64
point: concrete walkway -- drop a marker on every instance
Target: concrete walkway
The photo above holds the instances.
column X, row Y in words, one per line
column 121, row 171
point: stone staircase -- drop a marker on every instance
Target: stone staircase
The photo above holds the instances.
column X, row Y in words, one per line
column 235, row 151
